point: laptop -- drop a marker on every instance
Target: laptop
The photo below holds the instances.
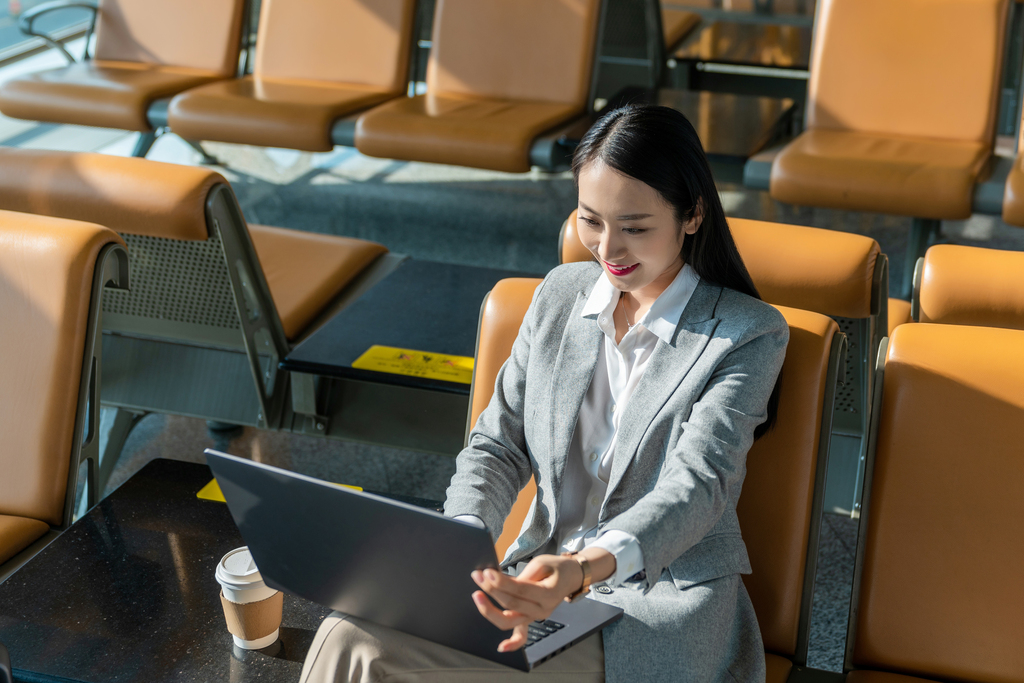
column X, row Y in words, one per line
column 383, row 560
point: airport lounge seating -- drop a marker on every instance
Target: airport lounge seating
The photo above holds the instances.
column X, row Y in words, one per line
column 909, row 141
column 52, row 276
column 937, row 591
column 177, row 342
column 676, row 25
column 785, row 466
column 958, row 285
column 145, row 53
column 316, row 62
column 500, row 76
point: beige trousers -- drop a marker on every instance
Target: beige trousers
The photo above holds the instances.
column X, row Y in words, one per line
column 347, row 649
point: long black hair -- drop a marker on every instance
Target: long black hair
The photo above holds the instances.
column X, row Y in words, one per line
column 658, row 146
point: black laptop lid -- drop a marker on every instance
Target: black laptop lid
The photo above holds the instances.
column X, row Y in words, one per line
column 388, row 562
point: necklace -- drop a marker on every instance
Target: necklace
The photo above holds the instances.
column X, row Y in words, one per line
column 625, row 316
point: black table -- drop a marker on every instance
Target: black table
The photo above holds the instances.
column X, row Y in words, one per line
column 128, row 593
column 422, row 305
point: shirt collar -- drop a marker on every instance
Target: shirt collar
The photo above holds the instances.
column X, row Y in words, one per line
column 663, row 315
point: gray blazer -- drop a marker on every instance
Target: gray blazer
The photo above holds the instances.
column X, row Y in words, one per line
column 678, row 467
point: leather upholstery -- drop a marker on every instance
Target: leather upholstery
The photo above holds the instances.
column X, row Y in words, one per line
column 305, row 271
column 134, row 196
column 775, row 506
column 500, row 320
column 1013, row 194
column 97, row 93
column 778, row 668
column 676, row 25
column 16, row 533
column 488, row 134
column 899, row 314
column 315, row 62
column 201, row 34
column 941, row 595
column 925, row 178
column 46, row 272
column 144, row 51
column 255, row 111
column 500, row 73
column 882, row 677
column 910, row 141
column 972, row 286
column 817, row 270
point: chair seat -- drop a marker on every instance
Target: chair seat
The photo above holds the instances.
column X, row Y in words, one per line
column 104, row 94
column 269, row 113
column 1013, row 194
column 778, row 668
column 880, row 173
column 481, row 133
column 16, row 533
column 676, row 25
column 882, row 677
column 899, row 314
column 305, row 271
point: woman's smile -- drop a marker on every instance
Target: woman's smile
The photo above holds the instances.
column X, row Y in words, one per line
column 620, row 271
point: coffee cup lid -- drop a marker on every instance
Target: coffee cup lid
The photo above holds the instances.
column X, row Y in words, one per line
column 237, row 568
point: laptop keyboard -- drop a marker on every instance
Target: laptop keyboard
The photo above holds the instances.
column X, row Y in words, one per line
column 540, row 630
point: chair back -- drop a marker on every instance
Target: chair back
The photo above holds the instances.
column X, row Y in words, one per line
column 937, row 92
column 501, row 316
column 937, row 587
column 780, row 506
column 185, row 347
column 52, row 273
column 193, row 34
column 539, row 50
column 357, row 42
column 958, row 285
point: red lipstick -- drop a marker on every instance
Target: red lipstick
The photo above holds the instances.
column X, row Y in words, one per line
column 619, row 271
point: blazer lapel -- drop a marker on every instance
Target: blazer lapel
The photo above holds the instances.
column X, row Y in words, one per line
column 668, row 366
column 570, row 379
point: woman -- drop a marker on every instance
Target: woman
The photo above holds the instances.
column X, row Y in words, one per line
column 633, row 392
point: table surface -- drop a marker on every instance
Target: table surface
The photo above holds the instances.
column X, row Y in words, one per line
column 128, row 593
column 422, row 305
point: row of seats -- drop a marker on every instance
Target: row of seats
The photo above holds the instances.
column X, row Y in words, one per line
column 901, row 124
column 500, row 75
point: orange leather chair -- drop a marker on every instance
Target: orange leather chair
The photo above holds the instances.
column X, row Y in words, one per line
column 145, row 52
column 898, row 123
column 937, row 591
column 52, row 275
column 500, row 74
column 316, row 62
column 780, row 509
column 676, row 25
column 215, row 304
column 957, row 285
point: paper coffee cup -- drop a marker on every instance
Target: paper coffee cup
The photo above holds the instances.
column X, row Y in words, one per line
column 252, row 609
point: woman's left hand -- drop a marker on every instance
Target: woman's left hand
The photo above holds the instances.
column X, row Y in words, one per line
column 531, row 596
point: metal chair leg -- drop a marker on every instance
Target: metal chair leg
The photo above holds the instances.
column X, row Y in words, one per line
column 206, row 158
column 144, row 144
column 121, row 425
column 923, row 232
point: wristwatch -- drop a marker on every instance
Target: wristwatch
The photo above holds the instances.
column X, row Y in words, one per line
column 585, row 586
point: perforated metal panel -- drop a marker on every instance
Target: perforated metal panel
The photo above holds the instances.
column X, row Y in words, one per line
column 176, row 281
column 850, row 407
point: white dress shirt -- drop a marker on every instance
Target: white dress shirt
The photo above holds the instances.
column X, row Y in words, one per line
column 589, row 463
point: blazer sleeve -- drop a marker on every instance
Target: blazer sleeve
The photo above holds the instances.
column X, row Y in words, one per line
column 705, row 466
column 495, row 464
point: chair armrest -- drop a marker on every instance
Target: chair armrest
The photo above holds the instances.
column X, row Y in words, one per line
column 5, row 666
column 26, row 22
